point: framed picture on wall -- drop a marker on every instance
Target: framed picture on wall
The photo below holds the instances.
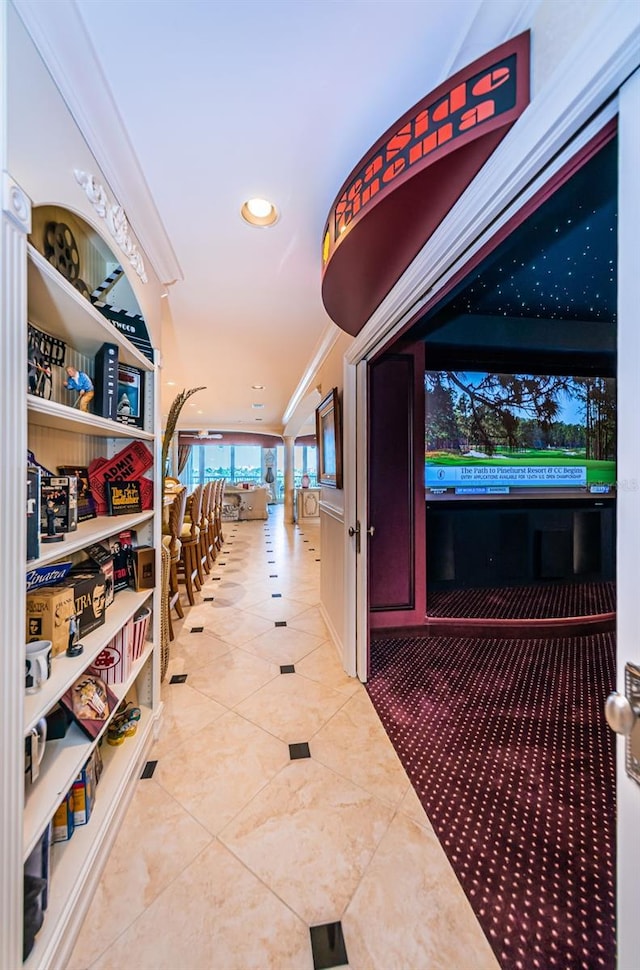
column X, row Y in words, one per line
column 329, row 438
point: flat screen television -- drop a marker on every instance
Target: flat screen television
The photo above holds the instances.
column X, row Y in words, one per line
column 492, row 435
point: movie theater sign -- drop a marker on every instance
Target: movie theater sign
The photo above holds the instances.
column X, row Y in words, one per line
column 405, row 185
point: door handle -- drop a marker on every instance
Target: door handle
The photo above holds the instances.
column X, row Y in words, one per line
column 355, row 531
column 622, row 712
column 371, row 530
column 621, row 716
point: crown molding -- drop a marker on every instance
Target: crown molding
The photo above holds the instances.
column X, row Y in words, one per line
column 61, row 38
column 321, row 352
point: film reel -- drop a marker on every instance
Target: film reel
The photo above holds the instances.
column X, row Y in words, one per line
column 82, row 287
column 61, row 250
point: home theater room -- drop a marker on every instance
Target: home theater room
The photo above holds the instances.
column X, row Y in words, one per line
column 492, row 569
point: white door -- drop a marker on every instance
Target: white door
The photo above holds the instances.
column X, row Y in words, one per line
column 356, row 651
column 362, row 506
column 628, row 539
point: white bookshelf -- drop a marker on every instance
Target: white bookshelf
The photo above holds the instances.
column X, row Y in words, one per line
column 65, row 670
column 94, row 530
column 68, row 436
column 57, row 308
column 61, row 417
column 76, row 864
column 63, row 761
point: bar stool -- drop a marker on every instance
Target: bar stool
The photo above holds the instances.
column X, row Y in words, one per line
column 204, row 560
column 190, row 540
column 211, row 522
column 172, row 528
column 219, row 537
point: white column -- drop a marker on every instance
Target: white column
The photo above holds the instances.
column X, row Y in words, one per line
column 288, row 479
column 16, row 223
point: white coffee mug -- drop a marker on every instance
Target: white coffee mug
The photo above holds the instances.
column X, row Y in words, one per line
column 38, row 664
column 35, row 744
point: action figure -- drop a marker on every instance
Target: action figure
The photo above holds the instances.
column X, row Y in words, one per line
column 51, row 510
column 39, row 375
column 79, row 381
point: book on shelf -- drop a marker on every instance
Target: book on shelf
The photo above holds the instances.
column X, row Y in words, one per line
column 101, row 558
column 33, row 513
column 121, row 546
column 105, row 381
column 85, row 500
column 144, row 568
column 123, row 498
column 130, row 403
column 90, row 702
column 58, row 505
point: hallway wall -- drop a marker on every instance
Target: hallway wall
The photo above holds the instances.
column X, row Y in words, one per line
column 332, row 586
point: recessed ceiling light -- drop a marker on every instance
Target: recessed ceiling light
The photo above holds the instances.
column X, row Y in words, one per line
column 257, row 387
column 257, row 405
column 259, row 212
column 171, row 383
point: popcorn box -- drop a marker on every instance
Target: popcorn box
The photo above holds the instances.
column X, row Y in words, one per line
column 140, row 627
column 113, row 663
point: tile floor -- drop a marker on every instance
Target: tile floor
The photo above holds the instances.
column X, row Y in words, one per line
column 233, row 849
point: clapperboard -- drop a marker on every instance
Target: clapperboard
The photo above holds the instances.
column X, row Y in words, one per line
column 132, row 325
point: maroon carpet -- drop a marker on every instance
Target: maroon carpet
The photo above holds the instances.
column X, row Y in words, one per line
column 506, row 745
column 524, row 602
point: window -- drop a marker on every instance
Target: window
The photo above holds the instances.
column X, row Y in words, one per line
column 236, row 463
column 304, row 463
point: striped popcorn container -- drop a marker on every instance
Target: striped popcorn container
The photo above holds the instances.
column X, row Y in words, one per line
column 140, row 627
column 113, row 663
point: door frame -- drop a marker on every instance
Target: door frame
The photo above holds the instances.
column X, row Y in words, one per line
column 356, row 501
column 562, row 117
column 591, row 87
column 628, row 511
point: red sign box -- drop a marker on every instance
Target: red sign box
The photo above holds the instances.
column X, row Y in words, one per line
column 403, row 187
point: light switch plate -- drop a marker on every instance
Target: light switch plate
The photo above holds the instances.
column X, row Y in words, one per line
column 632, row 741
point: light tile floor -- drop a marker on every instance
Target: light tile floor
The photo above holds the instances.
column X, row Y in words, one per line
column 232, row 850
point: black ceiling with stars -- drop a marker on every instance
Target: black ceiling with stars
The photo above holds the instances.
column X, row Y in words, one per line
column 551, row 286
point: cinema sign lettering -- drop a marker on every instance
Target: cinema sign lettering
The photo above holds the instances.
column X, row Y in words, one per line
column 488, row 94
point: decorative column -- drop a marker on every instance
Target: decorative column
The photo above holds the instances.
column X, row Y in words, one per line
column 288, row 479
column 16, row 223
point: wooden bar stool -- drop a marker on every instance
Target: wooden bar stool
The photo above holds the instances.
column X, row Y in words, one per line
column 219, row 537
column 211, row 522
column 172, row 526
column 204, row 560
column 190, row 541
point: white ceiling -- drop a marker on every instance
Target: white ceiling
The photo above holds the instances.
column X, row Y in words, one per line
column 222, row 100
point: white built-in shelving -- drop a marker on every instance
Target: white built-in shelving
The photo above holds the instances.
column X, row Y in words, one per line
column 74, row 437
column 60, row 417
column 58, row 308
column 93, row 530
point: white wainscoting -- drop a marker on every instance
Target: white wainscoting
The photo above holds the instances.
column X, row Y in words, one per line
column 332, row 589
